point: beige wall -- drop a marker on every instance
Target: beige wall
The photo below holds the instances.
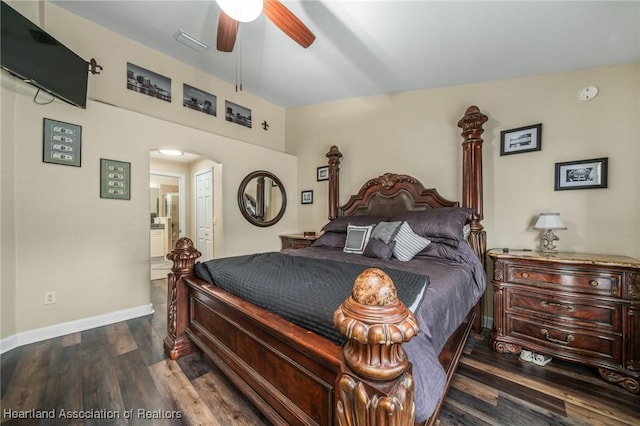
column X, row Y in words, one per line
column 416, row 133
column 59, row 235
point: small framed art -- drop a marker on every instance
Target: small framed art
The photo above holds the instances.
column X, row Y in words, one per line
column 306, row 197
column 522, row 139
column 115, row 179
column 322, row 173
column 582, row 174
column 61, row 143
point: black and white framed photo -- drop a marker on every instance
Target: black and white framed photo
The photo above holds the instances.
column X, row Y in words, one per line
column 237, row 114
column 322, row 173
column 199, row 100
column 522, row 139
column 582, row 174
column 115, row 179
column 306, row 197
column 61, row 143
column 148, row 83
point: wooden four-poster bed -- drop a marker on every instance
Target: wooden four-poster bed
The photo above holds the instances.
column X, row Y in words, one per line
column 297, row 376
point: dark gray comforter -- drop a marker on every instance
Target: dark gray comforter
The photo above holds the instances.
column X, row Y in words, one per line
column 456, row 282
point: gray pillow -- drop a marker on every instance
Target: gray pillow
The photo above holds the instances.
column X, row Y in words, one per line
column 330, row 239
column 378, row 249
column 357, row 238
column 408, row 243
column 340, row 224
column 386, row 231
column 442, row 224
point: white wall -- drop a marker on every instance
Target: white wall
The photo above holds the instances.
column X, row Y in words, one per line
column 416, row 133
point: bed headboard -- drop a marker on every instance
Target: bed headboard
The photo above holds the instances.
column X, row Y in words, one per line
column 391, row 194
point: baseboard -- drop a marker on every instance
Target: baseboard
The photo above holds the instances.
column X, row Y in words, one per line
column 487, row 322
column 37, row 335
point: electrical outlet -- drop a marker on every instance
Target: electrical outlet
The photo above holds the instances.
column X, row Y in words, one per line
column 49, row 297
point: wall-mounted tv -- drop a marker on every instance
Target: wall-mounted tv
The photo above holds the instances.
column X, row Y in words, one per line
column 32, row 55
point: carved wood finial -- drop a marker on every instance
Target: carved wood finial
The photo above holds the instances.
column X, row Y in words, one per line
column 184, row 256
column 334, row 155
column 376, row 373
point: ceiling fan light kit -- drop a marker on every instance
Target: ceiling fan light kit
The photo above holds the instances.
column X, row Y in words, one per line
column 241, row 10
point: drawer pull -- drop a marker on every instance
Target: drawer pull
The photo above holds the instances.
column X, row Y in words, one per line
column 554, row 340
column 525, row 275
column 558, row 305
column 594, row 283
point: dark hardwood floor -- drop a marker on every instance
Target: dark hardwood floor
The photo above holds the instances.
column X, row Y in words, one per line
column 119, row 375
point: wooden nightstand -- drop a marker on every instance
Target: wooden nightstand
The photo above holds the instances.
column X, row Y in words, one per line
column 578, row 307
column 297, row 241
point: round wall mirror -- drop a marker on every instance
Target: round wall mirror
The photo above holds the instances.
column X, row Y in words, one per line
column 261, row 198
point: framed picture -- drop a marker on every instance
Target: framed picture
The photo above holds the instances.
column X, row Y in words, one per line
column 306, row 197
column 148, row 83
column 115, row 179
column 323, row 173
column 199, row 100
column 583, row 174
column 522, row 139
column 237, row 114
column 61, row 143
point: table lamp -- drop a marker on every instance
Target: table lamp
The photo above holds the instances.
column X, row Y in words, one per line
column 548, row 222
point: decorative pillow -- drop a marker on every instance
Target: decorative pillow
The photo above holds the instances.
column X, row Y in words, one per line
column 408, row 243
column 357, row 238
column 330, row 239
column 377, row 248
column 386, row 231
column 340, row 224
column 441, row 224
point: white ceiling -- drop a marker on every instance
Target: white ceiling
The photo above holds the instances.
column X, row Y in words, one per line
column 374, row 47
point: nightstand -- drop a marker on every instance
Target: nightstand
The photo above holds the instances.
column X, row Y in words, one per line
column 578, row 307
column 297, row 241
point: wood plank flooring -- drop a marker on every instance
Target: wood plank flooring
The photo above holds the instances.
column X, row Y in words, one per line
column 119, row 375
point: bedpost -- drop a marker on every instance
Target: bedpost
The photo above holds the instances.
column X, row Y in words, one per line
column 334, row 156
column 184, row 256
column 375, row 385
column 471, row 125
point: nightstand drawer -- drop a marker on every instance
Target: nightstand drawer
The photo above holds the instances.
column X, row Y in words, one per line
column 577, row 311
column 567, row 340
column 565, row 278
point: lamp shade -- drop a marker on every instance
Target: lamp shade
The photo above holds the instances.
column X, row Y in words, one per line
column 549, row 221
column 241, row 10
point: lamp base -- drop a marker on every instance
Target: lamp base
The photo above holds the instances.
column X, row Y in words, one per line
column 548, row 240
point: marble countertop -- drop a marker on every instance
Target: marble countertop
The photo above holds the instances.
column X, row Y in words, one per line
column 568, row 257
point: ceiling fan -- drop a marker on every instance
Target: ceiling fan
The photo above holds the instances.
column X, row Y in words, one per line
column 235, row 11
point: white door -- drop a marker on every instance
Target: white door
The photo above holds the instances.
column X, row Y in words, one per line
column 204, row 214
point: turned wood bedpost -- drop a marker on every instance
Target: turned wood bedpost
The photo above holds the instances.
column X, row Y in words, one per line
column 471, row 125
column 334, row 156
column 375, row 385
column 184, row 257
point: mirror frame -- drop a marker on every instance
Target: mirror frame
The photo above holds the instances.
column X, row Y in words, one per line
column 241, row 206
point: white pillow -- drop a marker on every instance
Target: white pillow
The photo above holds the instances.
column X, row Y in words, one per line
column 408, row 243
column 357, row 238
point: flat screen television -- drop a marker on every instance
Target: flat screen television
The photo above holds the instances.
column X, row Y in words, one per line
column 32, row 55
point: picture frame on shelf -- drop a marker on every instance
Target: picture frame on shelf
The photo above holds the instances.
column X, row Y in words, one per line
column 521, row 139
column 582, row 174
column 306, row 197
column 322, row 173
column 115, row 179
column 61, row 143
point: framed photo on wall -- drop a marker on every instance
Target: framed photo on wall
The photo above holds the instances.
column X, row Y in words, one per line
column 61, row 143
column 322, row 173
column 115, row 179
column 582, row 174
column 306, row 197
column 522, row 139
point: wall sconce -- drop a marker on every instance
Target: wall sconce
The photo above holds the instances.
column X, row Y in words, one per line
column 548, row 222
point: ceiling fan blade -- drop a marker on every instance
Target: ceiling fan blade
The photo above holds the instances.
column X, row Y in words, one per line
column 227, row 32
column 284, row 19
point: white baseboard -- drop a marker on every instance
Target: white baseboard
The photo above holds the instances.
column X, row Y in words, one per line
column 57, row 330
column 487, row 322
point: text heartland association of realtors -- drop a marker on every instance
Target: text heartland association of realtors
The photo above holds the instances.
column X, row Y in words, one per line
column 140, row 413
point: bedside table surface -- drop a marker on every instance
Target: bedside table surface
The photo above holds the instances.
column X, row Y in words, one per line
column 300, row 237
column 568, row 257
